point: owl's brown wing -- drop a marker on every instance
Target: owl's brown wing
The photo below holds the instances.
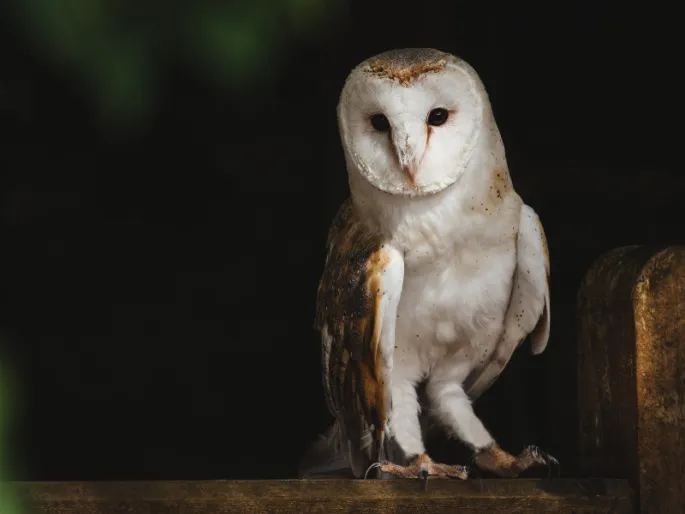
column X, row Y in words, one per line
column 528, row 313
column 355, row 313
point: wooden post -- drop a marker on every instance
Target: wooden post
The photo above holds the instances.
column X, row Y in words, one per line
column 327, row 496
column 631, row 373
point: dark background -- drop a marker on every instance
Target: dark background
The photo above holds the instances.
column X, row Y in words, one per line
column 158, row 283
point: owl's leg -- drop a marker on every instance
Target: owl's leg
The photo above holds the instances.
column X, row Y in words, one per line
column 501, row 463
column 406, row 430
column 454, row 409
column 404, row 425
column 423, row 467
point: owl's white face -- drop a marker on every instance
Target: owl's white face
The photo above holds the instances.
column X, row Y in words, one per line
column 412, row 138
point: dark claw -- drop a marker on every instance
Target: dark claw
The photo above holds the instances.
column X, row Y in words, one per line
column 373, row 466
column 554, row 463
column 424, row 475
column 546, row 458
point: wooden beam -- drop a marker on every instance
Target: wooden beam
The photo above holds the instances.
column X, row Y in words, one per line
column 327, row 496
column 631, row 393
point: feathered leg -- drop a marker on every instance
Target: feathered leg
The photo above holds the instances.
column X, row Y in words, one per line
column 454, row 409
column 405, row 429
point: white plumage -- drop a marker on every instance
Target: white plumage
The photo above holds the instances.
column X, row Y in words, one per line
column 436, row 269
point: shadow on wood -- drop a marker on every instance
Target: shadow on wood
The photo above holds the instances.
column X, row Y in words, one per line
column 290, row 496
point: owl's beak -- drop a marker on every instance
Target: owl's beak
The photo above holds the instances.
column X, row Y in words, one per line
column 410, row 171
column 407, row 155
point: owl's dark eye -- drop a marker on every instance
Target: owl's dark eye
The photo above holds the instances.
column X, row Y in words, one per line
column 438, row 116
column 380, row 123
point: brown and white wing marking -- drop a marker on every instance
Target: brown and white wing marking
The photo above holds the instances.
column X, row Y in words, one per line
column 528, row 313
column 355, row 312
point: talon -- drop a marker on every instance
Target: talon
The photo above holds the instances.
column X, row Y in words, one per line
column 373, row 466
column 542, row 457
column 423, row 468
column 501, row 463
column 424, row 475
column 555, row 464
column 535, row 451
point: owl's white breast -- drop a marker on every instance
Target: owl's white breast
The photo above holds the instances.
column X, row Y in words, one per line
column 459, row 264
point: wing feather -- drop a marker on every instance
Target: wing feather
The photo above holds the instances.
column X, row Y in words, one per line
column 528, row 313
column 540, row 334
column 356, row 307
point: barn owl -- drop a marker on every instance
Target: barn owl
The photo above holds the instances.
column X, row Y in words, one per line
column 436, row 271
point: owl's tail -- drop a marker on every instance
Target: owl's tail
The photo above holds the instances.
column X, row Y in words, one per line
column 326, row 457
column 334, row 456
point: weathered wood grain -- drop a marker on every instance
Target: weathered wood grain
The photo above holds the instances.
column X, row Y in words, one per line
column 631, row 376
column 327, row 496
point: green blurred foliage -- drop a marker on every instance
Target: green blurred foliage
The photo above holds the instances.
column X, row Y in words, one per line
column 118, row 49
column 8, row 504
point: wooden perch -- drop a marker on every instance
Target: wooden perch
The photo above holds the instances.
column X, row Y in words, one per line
column 324, row 496
column 631, row 344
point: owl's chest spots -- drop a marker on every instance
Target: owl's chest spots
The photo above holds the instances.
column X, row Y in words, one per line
column 456, row 305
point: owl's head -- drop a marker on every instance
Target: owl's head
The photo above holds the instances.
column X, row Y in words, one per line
column 410, row 120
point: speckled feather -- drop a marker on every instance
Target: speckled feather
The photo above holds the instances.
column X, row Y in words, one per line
column 347, row 308
column 407, row 64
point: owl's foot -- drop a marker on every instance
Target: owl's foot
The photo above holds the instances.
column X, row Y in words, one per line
column 423, row 467
column 501, row 463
